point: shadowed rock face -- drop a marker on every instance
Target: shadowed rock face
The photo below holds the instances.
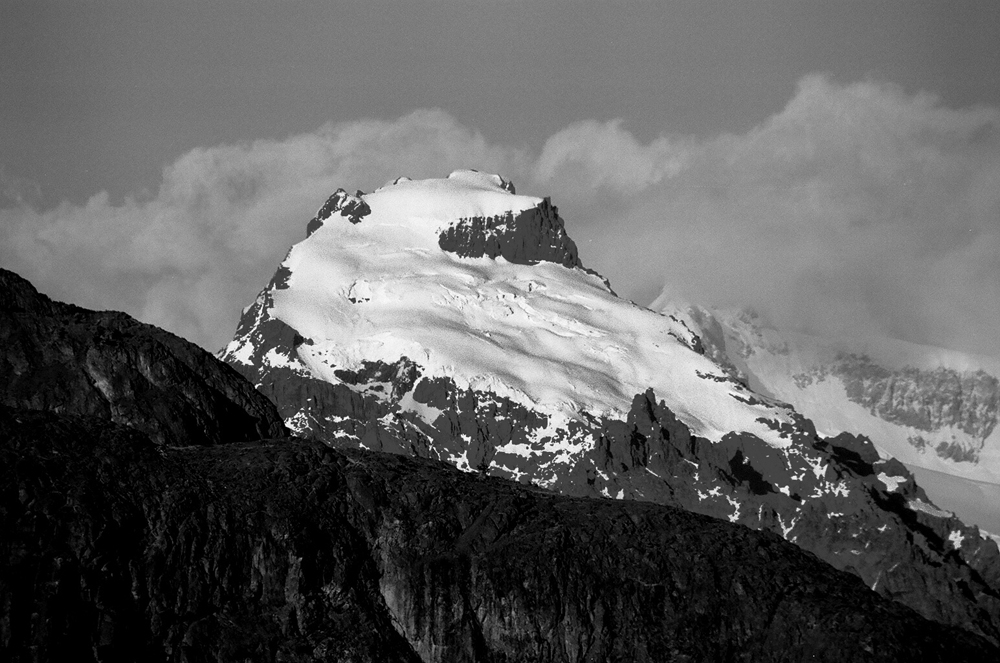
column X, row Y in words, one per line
column 526, row 237
column 115, row 549
column 60, row 357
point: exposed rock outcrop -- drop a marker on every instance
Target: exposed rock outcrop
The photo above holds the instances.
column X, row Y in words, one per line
column 926, row 400
column 67, row 359
column 352, row 207
column 527, row 237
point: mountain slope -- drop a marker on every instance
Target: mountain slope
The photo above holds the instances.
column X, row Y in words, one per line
column 451, row 319
column 928, row 407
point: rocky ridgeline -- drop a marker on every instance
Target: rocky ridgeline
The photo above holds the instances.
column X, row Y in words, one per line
column 66, row 359
column 118, row 549
column 350, row 206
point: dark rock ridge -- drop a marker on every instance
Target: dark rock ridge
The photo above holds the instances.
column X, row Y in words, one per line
column 533, row 235
column 116, row 549
column 351, row 207
column 67, row 359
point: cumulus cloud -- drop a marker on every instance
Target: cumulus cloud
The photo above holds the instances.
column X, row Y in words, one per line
column 857, row 209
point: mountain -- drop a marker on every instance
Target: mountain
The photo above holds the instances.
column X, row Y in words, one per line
column 123, row 538
column 70, row 360
column 452, row 319
column 935, row 410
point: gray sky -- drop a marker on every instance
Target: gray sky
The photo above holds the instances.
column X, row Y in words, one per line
column 835, row 163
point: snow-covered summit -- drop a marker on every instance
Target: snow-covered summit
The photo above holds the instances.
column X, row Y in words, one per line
column 482, row 286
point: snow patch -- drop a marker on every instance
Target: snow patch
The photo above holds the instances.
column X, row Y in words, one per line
column 736, row 509
column 427, row 413
column 786, row 530
column 461, row 461
column 891, row 483
column 920, row 505
column 275, row 359
column 298, row 423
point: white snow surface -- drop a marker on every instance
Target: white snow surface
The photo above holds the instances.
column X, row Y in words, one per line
column 549, row 337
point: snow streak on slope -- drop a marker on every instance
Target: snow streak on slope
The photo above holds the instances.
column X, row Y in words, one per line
column 551, row 338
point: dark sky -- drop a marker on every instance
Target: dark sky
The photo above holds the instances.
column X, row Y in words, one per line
column 101, row 95
column 834, row 163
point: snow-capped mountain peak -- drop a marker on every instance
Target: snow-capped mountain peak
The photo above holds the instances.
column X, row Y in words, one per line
column 483, row 287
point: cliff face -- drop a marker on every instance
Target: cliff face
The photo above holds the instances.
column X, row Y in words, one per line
column 526, row 237
column 66, row 359
column 928, row 400
column 116, row 549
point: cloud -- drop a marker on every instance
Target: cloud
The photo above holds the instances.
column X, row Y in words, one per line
column 602, row 156
column 857, row 209
column 192, row 255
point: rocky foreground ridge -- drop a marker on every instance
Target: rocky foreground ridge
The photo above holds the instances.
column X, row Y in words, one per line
column 343, row 373
column 119, row 546
column 60, row 357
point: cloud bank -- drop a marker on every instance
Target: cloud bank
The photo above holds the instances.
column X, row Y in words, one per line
column 858, row 209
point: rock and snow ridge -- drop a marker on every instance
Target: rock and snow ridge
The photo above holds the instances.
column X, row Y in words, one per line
column 451, row 319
